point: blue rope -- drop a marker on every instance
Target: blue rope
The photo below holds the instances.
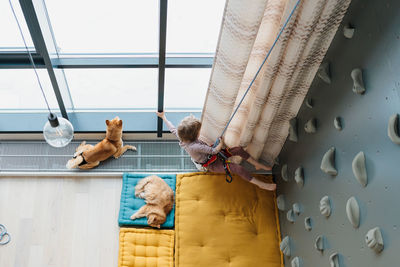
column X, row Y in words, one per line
column 258, row 71
column 3, row 233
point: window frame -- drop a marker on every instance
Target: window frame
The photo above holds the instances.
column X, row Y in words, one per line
column 46, row 56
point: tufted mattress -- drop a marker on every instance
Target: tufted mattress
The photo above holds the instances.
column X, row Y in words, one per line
column 130, row 204
column 221, row 224
column 146, row 248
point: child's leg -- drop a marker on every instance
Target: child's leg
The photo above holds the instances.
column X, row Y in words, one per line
column 242, row 172
column 239, row 151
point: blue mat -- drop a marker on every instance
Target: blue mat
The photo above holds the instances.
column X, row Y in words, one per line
column 130, row 204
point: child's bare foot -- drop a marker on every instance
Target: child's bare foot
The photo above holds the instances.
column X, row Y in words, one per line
column 263, row 185
column 258, row 165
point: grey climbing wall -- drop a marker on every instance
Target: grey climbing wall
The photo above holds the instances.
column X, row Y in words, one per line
column 375, row 48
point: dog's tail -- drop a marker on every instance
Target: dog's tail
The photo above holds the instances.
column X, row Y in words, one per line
column 74, row 162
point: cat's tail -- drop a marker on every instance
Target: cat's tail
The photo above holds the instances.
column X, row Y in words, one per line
column 74, row 162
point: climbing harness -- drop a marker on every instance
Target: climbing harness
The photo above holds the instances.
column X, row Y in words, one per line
column 221, row 155
column 5, row 237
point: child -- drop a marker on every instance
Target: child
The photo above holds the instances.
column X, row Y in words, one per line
column 188, row 134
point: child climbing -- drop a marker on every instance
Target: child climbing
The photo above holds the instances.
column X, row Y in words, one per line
column 188, row 132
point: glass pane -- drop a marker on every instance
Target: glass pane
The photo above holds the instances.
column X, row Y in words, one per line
column 193, row 26
column 10, row 38
column 104, row 26
column 19, row 89
column 186, row 88
column 113, row 88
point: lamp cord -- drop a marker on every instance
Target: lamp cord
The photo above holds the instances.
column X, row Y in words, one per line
column 30, row 56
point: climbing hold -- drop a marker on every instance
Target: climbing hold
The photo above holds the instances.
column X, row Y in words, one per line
column 374, row 239
column 296, row 262
column 281, row 203
column 337, row 122
column 324, row 72
column 328, row 162
column 293, row 130
column 296, row 209
column 393, row 130
column 358, row 83
column 325, row 206
column 311, row 126
column 359, row 169
column 334, row 260
column 284, row 173
column 353, row 212
column 285, row 246
column 348, row 31
column 299, row 176
column 307, row 223
column 309, row 102
column 319, row 243
column 290, row 216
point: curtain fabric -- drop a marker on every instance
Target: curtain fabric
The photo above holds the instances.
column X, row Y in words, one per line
column 247, row 32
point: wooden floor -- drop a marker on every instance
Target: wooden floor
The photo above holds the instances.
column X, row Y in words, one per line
column 57, row 222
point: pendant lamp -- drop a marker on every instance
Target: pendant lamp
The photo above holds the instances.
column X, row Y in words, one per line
column 58, row 132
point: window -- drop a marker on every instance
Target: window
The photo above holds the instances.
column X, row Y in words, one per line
column 113, row 88
column 107, row 61
column 104, row 26
column 193, row 26
column 19, row 90
column 10, row 37
column 186, row 88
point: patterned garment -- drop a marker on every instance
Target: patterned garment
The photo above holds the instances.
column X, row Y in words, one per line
column 248, row 31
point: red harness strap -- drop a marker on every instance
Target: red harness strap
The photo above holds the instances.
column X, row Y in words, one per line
column 223, row 155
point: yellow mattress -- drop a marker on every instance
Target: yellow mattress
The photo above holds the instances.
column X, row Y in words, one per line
column 221, row 224
column 146, row 248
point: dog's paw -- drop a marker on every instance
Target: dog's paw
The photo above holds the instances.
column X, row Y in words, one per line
column 133, row 217
column 132, row 148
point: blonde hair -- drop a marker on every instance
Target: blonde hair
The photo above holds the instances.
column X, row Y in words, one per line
column 189, row 128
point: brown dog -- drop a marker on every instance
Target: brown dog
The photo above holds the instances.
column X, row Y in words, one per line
column 159, row 199
column 89, row 156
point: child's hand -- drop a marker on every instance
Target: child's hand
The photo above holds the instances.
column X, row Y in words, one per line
column 220, row 145
column 161, row 115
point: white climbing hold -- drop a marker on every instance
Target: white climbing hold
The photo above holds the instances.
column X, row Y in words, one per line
column 319, row 243
column 290, row 216
column 334, row 260
column 374, row 239
column 328, row 162
column 281, row 202
column 293, row 130
column 299, row 176
column 308, row 224
column 309, row 102
column 324, row 72
column 359, row 169
column 337, row 122
column 353, row 212
column 358, row 82
column 393, row 130
column 296, row 209
column 284, row 173
column 296, row 262
column 311, row 126
column 285, row 246
column 348, row 31
column 325, row 206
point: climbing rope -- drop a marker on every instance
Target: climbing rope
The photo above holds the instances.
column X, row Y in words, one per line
column 4, row 235
column 258, row 71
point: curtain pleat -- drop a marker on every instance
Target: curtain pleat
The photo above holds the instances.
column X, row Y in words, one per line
column 262, row 121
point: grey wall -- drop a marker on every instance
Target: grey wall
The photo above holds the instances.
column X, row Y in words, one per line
column 375, row 48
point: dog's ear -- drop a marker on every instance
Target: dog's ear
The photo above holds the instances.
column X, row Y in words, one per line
column 107, row 122
column 120, row 123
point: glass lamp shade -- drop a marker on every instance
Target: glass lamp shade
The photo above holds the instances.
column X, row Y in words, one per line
column 58, row 132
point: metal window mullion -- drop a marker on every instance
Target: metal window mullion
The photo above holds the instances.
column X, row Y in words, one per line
column 40, row 30
column 161, row 62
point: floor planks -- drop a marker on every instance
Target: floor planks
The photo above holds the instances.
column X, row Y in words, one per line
column 60, row 222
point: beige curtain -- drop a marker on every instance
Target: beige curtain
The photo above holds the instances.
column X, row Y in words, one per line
column 247, row 33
